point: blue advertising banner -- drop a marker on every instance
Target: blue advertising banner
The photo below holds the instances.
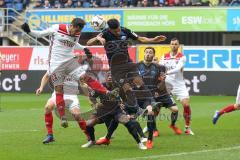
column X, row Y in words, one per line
column 212, row 58
column 233, row 20
column 42, row 19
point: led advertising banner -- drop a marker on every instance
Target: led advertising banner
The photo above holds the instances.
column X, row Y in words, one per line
column 173, row 20
column 41, row 19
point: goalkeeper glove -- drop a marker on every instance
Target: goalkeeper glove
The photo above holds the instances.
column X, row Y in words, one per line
column 26, row 28
column 88, row 53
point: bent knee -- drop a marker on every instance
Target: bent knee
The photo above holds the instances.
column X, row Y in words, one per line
column 174, row 109
column 237, row 106
column 49, row 107
column 59, row 89
column 150, row 110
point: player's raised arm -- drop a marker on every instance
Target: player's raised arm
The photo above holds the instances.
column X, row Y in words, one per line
column 43, row 83
column 156, row 39
column 96, row 40
column 141, row 39
column 25, row 27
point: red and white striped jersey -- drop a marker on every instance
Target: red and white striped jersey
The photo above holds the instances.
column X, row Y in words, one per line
column 174, row 65
column 62, row 43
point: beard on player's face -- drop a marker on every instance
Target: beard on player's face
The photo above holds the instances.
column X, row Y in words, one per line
column 174, row 46
column 175, row 49
column 74, row 30
column 116, row 31
column 149, row 55
column 148, row 58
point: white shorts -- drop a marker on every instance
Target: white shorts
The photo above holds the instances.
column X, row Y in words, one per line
column 71, row 67
column 71, row 101
column 178, row 89
column 238, row 96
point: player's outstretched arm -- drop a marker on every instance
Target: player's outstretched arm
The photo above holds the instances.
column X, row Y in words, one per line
column 96, row 40
column 156, row 39
column 44, row 82
column 25, row 27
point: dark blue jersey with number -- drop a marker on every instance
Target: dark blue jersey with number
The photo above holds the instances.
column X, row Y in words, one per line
column 118, row 44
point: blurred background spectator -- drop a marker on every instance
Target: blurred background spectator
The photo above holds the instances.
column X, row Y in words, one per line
column 38, row 4
column 2, row 4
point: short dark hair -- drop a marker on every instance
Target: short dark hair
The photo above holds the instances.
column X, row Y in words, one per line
column 78, row 22
column 174, row 39
column 113, row 23
column 153, row 49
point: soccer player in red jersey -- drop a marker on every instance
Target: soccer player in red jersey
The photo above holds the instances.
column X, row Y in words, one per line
column 72, row 103
column 63, row 61
column 175, row 61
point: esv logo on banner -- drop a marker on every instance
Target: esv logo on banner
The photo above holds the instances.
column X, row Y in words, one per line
column 212, row 58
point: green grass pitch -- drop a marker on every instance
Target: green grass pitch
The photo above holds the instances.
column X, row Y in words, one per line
column 22, row 131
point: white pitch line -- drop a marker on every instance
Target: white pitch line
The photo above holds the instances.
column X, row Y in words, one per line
column 182, row 153
column 17, row 131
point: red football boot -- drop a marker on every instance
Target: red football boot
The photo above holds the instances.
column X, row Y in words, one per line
column 176, row 129
column 103, row 141
column 149, row 144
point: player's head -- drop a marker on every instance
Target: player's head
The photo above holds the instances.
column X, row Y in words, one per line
column 109, row 77
column 76, row 26
column 149, row 54
column 114, row 26
column 174, row 44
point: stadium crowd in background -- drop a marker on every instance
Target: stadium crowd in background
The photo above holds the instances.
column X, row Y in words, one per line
column 129, row 3
column 46, row 4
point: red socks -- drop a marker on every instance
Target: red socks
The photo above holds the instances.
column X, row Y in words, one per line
column 227, row 109
column 60, row 104
column 82, row 124
column 187, row 115
column 95, row 85
column 49, row 122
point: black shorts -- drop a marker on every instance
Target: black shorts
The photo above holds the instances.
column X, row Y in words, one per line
column 143, row 103
column 115, row 113
column 106, row 109
column 166, row 100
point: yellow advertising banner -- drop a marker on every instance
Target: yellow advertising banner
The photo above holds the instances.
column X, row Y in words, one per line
column 160, row 50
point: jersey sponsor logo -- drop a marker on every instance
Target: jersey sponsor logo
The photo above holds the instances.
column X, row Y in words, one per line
column 212, row 58
column 67, row 43
column 123, row 38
